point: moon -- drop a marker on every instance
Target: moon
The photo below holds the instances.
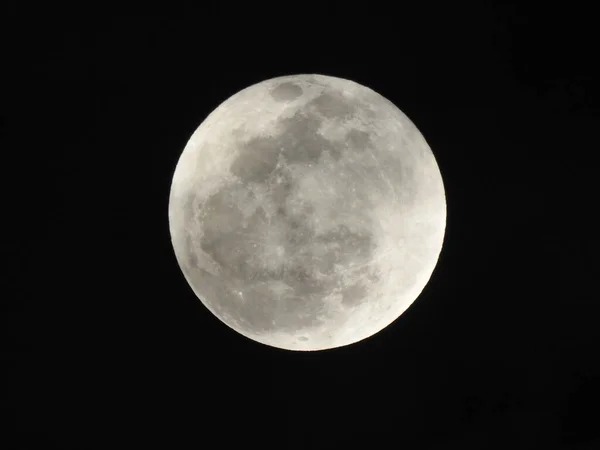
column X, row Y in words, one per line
column 307, row 212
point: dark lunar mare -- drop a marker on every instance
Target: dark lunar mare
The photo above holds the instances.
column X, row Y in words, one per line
column 237, row 250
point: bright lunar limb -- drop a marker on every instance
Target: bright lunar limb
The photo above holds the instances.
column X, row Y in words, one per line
column 307, row 212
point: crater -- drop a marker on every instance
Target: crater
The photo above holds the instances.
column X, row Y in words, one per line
column 333, row 104
column 286, row 92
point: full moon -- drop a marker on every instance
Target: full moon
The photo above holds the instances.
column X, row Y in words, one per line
column 307, row 212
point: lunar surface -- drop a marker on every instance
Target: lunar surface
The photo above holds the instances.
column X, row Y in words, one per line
column 307, row 212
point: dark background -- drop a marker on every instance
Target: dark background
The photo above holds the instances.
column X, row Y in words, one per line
column 105, row 344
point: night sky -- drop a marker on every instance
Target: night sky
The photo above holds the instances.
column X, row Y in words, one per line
column 106, row 346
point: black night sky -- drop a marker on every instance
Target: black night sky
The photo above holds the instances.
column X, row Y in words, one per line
column 106, row 346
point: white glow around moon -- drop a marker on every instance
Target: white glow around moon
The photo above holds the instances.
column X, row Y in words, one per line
column 307, row 212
